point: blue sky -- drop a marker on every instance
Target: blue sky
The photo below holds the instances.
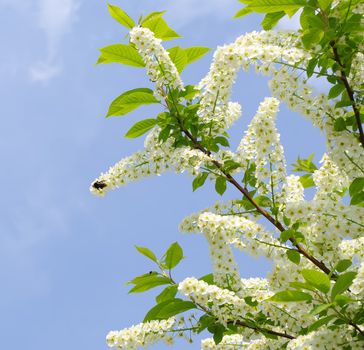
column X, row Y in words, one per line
column 64, row 254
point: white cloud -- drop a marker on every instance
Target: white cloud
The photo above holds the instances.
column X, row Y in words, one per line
column 44, row 71
column 55, row 18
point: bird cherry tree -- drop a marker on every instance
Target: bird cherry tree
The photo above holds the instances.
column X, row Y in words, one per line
column 313, row 296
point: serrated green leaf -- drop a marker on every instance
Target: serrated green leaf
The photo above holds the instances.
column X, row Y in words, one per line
column 271, row 19
column 121, row 53
column 339, row 124
column 294, row 256
column 336, row 90
column 268, row 6
column 356, row 186
column 199, row 181
column 173, row 256
column 140, row 128
column 121, row 16
column 324, row 4
column 148, row 282
column 317, row 279
column 196, row 52
column 302, row 285
column 311, row 37
column 343, row 265
column 178, row 57
column 291, row 296
column 342, row 283
column 130, row 100
column 209, row 279
column 307, row 181
column 147, row 252
column 357, row 199
column 152, row 15
column 320, row 308
column 168, row 308
column 243, row 12
column 167, row 294
column 263, row 201
column 220, row 185
column 322, row 321
column 160, row 28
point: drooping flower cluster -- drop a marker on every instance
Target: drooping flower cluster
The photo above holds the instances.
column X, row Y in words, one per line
column 329, row 229
column 261, row 145
column 159, row 66
column 141, row 335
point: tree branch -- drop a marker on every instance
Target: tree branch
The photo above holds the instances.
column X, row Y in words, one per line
column 349, row 91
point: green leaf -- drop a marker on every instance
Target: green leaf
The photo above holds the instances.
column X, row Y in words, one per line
column 250, row 301
column 263, row 201
column 324, row 4
column 336, row 90
column 160, row 28
column 301, row 285
column 209, row 279
column 122, row 17
column 339, row 124
column 320, row 322
column 342, row 300
column 220, row 185
column 342, row 283
column 178, row 57
column 173, row 256
column 343, row 265
column 121, row 53
column 243, row 12
column 311, row 37
column 357, row 199
column 199, row 181
column 148, row 281
column 356, row 186
column 167, row 294
column 320, row 308
column 294, row 256
column 317, row 279
column 196, row 52
column 307, row 181
column 271, row 19
column 268, row 6
column 152, row 15
column 140, row 128
column 189, row 92
column 168, row 308
column 147, row 252
column 131, row 100
column 291, row 296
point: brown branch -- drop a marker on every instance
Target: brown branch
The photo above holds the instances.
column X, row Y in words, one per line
column 349, row 91
column 264, row 330
column 261, row 210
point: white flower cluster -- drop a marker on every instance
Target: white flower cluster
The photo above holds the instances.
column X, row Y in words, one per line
column 325, row 339
column 329, row 181
column 238, row 341
column 343, row 147
column 357, row 287
column 156, row 158
column 215, row 110
column 141, row 335
column 292, row 190
column 261, row 145
column 159, row 66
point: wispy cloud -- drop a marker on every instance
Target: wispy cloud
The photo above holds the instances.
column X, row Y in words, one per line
column 55, row 18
